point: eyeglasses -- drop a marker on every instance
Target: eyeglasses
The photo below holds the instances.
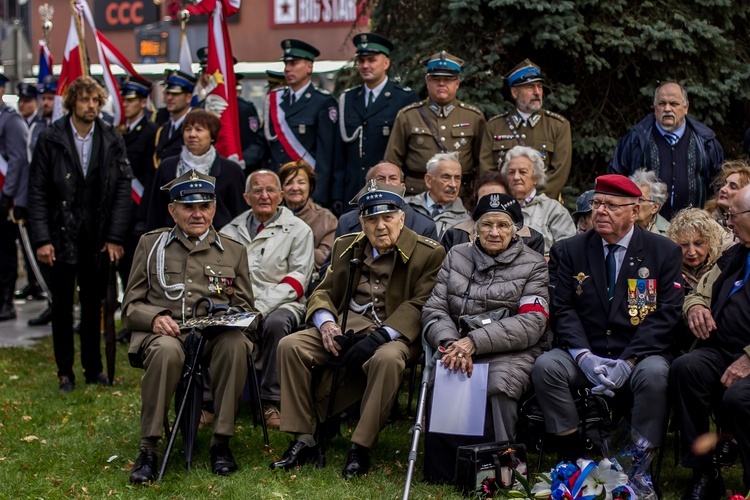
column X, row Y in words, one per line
column 609, row 207
column 730, row 215
column 500, row 226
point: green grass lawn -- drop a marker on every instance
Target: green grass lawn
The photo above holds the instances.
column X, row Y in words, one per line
column 83, row 445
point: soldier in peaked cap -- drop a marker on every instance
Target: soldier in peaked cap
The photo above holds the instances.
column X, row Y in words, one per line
column 367, row 114
column 172, row 269
column 530, row 125
column 178, row 92
column 439, row 124
column 399, row 270
column 275, row 80
column 300, row 119
column 27, row 103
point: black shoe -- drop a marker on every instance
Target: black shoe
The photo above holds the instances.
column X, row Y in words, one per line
column 66, row 384
column 298, row 453
column 357, row 462
column 124, row 336
column 144, row 469
column 222, row 461
column 30, row 292
column 100, row 379
column 7, row 312
column 726, row 453
column 707, row 485
column 43, row 319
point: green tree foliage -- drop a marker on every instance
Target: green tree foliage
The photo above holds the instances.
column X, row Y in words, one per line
column 602, row 59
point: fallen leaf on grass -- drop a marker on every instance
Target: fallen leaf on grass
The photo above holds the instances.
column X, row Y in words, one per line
column 117, row 393
column 84, row 489
column 14, row 377
column 2, row 459
column 26, row 417
column 65, row 420
column 29, row 439
column 43, row 441
column 254, row 468
column 111, row 492
column 54, row 480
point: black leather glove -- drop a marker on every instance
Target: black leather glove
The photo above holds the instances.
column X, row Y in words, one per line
column 5, row 203
column 337, row 207
column 346, row 341
column 358, row 354
column 20, row 213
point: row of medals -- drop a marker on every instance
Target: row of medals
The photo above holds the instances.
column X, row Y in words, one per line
column 218, row 285
column 641, row 299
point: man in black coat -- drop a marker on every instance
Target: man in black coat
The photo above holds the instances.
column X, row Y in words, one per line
column 367, row 114
column 79, row 214
column 617, row 302
column 715, row 376
column 300, row 120
column 177, row 96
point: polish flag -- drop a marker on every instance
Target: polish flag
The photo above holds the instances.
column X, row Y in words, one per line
column 71, row 67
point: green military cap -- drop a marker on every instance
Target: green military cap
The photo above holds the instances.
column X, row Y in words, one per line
column 373, row 185
column 372, row 43
column 297, row 49
column 443, row 63
column 525, row 72
column 191, row 187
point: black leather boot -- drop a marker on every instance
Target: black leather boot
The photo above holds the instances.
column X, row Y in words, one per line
column 7, row 310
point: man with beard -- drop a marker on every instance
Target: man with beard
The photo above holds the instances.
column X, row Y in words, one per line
column 441, row 202
column 79, row 212
column 530, row 125
column 440, row 123
column 684, row 153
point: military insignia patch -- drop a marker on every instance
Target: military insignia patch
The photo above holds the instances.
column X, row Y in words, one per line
column 253, row 123
column 333, row 114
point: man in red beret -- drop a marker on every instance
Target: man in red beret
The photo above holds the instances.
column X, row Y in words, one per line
column 616, row 304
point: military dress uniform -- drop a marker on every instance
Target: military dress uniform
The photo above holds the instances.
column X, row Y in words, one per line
column 545, row 131
column 312, row 122
column 169, row 141
column 170, row 273
column 425, row 129
column 366, row 126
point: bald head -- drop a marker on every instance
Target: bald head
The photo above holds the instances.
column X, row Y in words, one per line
column 386, row 173
column 739, row 216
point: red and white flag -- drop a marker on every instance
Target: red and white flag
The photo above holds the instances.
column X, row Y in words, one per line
column 71, row 65
column 222, row 87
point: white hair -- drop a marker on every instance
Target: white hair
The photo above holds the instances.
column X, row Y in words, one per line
column 643, row 177
column 432, row 163
column 249, row 181
column 536, row 162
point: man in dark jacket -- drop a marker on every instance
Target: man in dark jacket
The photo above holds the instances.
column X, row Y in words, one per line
column 79, row 213
column 684, row 153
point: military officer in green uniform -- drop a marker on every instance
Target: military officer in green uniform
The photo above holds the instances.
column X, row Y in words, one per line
column 530, row 125
column 366, row 115
column 300, row 119
column 439, row 124
column 399, row 270
column 172, row 269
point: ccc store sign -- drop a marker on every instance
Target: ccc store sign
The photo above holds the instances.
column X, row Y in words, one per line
column 124, row 14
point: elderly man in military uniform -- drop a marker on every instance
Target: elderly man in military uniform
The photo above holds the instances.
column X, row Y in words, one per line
column 530, row 125
column 439, row 124
column 14, row 179
column 367, row 113
column 399, row 270
column 178, row 93
column 172, row 269
column 300, row 119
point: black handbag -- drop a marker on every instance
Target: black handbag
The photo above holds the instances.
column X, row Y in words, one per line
column 480, row 464
column 466, row 323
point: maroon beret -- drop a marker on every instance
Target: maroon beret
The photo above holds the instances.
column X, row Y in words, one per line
column 617, row 185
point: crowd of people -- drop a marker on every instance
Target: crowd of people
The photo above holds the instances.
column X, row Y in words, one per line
column 446, row 225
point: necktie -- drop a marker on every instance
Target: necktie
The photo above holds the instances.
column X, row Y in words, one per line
column 671, row 138
column 371, row 99
column 260, row 228
column 739, row 284
column 435, row 211
column 293, row 98
column 611, row 264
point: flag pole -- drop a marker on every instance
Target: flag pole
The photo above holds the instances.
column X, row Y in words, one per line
column 79, row 30
column 46, row 12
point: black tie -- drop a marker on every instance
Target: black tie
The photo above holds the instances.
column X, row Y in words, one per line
column 611, row 264
column 371, row 99
column 293, row 98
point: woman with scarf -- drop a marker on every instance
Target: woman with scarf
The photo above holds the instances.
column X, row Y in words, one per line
column 200, row 131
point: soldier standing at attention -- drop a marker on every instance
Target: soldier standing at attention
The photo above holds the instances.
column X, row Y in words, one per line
column 177, row 96
column 530, row 125
column 300, row 119
column 367, row 114
column 439, row 124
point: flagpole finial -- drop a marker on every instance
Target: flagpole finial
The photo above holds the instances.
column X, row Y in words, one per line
column 46, row 12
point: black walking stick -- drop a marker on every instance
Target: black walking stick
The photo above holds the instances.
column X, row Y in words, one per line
column 108, row 310
column 256, row 391
column 354, row 264
column 194, row 350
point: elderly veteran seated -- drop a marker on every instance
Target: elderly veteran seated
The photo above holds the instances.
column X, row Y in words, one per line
column 497, row 273
column 654, row 195
column 398, row 273
column 615, row 310
column 441, row 202
column 280, row 257
column 523, row 168
column 172, row 269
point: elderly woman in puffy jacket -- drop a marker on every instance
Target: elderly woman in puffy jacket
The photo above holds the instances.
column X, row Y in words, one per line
column 496, row 271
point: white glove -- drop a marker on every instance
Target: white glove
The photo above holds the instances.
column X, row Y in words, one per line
column 589, row 363
column 618, row 374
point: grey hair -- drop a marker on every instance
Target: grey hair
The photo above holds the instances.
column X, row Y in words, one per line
column 371, row 172
column 533, row 156
column 249, row 181
column 643, row 177
column 683, row 90
column 432, row 163
column 513, row 228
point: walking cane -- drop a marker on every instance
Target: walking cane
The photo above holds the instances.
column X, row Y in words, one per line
column 421, row 404
column 354, row 264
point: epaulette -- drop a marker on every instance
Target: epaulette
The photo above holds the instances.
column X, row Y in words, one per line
column 322, row 91
column 228, row 238
column 413, row 106
column 556, row 116
column 280, row 89
column 353, row 88
column 405, row 89
column 497, row 117
column 470, row 107
column 428, row 241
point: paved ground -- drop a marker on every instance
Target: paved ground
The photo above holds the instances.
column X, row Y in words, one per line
column 17, row 332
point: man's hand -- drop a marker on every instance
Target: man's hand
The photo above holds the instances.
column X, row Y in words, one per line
column 589, row 363
column 328, row 331
column 364, row 350
column 736, row 371
column 700, row 321
column 618, row 375
column 165, row 325
column 114, row 250
column 459, row 356
column 46, row 254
